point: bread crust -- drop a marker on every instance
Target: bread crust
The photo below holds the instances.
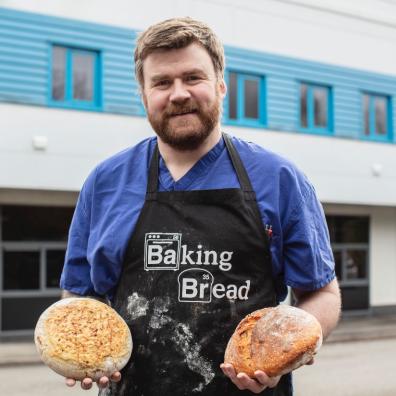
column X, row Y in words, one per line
column 274, row 340
column 82, row 337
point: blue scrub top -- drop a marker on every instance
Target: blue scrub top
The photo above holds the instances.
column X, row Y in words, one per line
column 113, row 195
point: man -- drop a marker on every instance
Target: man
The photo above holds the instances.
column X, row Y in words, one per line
column 188, row 232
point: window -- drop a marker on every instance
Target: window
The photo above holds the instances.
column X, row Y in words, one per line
column 315, row 108
column 32, row 253
column 349, row 236
column 75, row 78
column 376, row 115
column 246, row 99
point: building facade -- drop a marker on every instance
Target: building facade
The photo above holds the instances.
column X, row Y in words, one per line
column 312, row 80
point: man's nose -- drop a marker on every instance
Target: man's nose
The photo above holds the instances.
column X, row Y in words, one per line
column 179, row 92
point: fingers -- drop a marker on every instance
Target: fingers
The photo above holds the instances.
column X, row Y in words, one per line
column 243, row 381
column 103, row 382
column 70, row 382
column 86, row 383
column 312, row 361
column 263, row 379
column 116, row 377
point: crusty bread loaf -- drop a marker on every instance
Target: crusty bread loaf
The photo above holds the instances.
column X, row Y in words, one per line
column 82, row 337
column 274, row 340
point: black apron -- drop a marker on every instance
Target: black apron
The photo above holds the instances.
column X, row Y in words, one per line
column 196, row 264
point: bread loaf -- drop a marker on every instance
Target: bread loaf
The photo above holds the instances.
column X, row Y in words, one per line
column 274, row 340
column 82, row 337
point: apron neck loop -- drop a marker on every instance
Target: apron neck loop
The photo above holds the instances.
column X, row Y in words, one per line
column 152, row 185
column 244, row 181
column 243, row 177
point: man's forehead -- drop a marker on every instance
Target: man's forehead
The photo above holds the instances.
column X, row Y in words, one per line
column 193, row 58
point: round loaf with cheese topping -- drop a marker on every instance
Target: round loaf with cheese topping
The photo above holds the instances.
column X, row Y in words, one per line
column 274, row 340
column 82, row 337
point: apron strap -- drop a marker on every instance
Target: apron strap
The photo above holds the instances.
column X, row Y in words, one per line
column 243, row 177
column 244, row 181
column 152, row 183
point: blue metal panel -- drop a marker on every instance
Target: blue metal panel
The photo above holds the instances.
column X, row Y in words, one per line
column 25, row 55
column 25, row 59
column 283, row 77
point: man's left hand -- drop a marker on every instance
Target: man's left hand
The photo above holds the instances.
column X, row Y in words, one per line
column 243, row 381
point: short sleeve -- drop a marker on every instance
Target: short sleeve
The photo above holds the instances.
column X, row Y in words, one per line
column 308, row 257
column 76, row 271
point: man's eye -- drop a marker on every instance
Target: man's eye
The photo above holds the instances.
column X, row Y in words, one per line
column 162, row 83
column 193, row 78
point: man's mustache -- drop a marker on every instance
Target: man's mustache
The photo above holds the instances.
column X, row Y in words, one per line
column 178, row 110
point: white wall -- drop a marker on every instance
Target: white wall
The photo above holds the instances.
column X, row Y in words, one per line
column 355, row 33
column 340, row 169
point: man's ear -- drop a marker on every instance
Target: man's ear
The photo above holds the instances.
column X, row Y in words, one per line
column 144, row 98
column 222, row 88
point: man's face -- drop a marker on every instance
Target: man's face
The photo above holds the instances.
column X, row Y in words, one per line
column 182, row 95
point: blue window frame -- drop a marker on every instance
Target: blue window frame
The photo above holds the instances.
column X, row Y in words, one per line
column 316, row 108
column 246, row 99
column 75, row 78
column 377, row 119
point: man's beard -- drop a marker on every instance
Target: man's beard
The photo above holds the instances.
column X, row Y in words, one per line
column 189, row 133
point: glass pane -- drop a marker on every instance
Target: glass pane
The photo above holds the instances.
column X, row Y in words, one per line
column 22, row 313
column 36, row 223
column 232, row 96
column 338, row 263
column 303, row 106
column 83, row 72
column 21, row 270
column 320, row 107
column 251, row 98
column 55, row 260
column 348, row 229
column 366, row 112
column 356, row 264
column 380, row 116
column 58, row 73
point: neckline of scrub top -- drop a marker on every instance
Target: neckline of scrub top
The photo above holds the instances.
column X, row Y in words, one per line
column 166, row 179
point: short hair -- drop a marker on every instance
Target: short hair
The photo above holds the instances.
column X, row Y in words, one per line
column 178, row 33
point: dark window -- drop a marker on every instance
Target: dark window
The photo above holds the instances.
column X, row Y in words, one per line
column 36, row 223
column 315, row 106
column 350, row 242
column 21, row 270
column 348, row 229
column 246, row 99
column 54, row 265
column 376, row 119
column 75, row 77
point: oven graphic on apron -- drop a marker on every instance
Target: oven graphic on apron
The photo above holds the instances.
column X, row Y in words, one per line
column 162, row 251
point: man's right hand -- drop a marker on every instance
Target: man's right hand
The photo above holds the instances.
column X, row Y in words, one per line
column 103, row 382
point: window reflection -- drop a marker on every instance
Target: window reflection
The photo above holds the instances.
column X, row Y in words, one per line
column 303, row 106
column 251, row 98
column 232, row 96
column 58, row 73
column 320, row 107
column 380, row 116
column 366, row 110
column 82, row 76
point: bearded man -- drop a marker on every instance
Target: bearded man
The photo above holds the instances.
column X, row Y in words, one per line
column 174, row 231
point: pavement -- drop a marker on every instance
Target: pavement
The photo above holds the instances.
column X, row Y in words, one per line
column 22, row 352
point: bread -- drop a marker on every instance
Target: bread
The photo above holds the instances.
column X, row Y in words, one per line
column 274, row 340
column 82, row 337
